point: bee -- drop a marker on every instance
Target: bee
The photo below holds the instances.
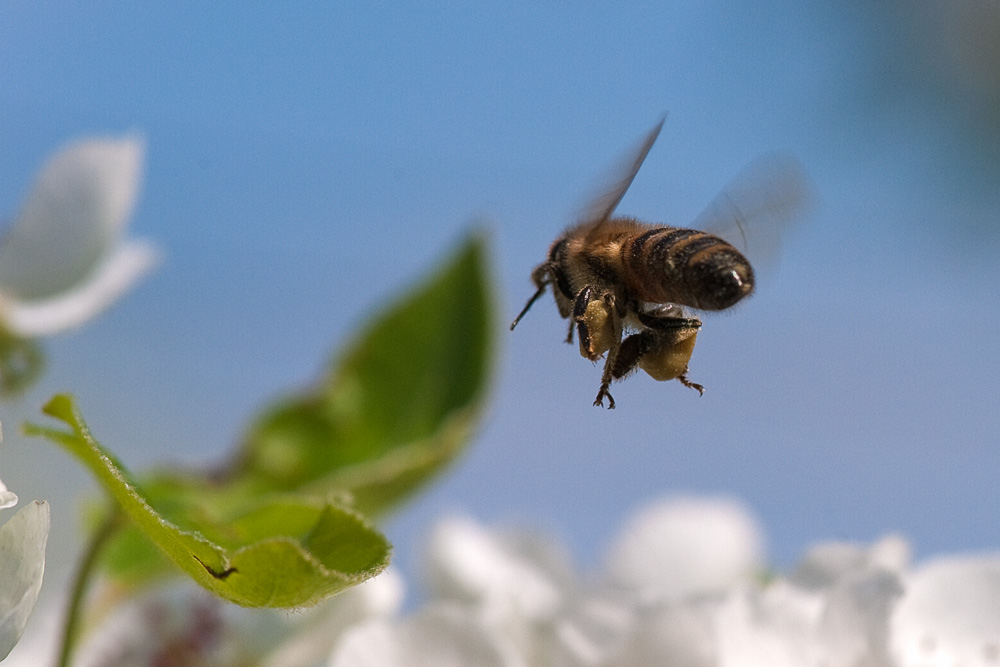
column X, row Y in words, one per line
column 615, row 277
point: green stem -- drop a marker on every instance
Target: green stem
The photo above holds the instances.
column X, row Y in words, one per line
column 81, row 583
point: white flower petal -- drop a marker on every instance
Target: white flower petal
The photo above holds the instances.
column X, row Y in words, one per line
column 113, row 277
column 440, row 636
column 949, row 614
column 589, row 631
column 891, row 553
column 854, row 628
column 774, row 627
column 74, row 215
column 7, row 498
column 827, row 562
column 679, row 636
column 22, row 563
column 470, row 563
column 686, row 546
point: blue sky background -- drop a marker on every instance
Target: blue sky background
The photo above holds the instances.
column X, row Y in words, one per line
column 306, row 161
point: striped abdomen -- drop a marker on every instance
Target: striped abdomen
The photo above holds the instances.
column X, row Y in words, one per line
column 686, row 267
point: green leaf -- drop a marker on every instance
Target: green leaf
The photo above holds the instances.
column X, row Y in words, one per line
column 401, row 403
column 272, row 551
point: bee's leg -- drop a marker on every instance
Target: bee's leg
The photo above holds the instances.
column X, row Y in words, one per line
column 631, row 351
column 540, row 276
column 693, row 385
column 668, row 341
column 669, row 323
column 613, row 350
column 579, row 320
column 599, row 401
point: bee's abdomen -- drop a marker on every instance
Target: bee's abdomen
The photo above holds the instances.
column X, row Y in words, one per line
column 687, row 267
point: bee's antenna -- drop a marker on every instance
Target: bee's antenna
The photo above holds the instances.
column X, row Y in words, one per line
column 531, row 301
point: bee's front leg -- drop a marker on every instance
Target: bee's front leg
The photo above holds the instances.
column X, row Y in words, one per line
column 610, row 339
column 597, row 322
column 583, row 320
column 599, row 401
column 599, row 326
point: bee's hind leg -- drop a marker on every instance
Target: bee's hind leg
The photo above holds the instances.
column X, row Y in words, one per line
column 693, row 385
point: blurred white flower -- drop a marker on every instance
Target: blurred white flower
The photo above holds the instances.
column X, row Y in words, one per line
column 676, row 635
column 831, row 612
column 468, row 562
column 828, row 562
column 683, row 586
column 524, row 596
column 684, row 546
column 514, row 586
column 950, row 614
column 22, row 563
column 324, row 628
column 185, row 625
column 64, row 259
column 7, row 498
column 441, row 635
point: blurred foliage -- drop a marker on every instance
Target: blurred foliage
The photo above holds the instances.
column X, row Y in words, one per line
column 21, row 363
column 400, row 403
column 941, row 59
column 284, row 524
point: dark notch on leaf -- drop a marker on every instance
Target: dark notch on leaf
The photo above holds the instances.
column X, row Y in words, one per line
column 218, row 575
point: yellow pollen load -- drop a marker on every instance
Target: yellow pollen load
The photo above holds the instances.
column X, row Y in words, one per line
column 670, row 361
column 599, row 327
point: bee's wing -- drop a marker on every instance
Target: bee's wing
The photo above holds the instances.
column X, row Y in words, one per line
column 601, row 207
column 759, row 206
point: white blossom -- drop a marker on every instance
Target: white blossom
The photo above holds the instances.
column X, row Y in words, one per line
column 64, row 260
column 950, row 614
column 469, row 562
column 441, row 635
column 324, row 628
column 22, row 563
column 185, row 625
column 7, row 498
column 684, row 546
column 683, row 586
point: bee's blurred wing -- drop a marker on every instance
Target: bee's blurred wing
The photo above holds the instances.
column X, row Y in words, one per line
column 601, row 207
column 759, row 206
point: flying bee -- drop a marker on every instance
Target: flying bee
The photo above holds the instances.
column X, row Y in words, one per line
column 617, row 276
